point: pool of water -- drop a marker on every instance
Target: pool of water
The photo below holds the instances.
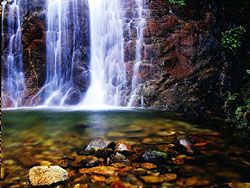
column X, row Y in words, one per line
column 30, row 137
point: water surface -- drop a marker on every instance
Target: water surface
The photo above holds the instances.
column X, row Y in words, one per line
column 32, row 136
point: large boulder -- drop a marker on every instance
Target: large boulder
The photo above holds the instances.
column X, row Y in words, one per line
column 47, row 175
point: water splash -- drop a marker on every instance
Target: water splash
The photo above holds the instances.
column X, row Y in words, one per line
column 13, row 83
column 108, row 74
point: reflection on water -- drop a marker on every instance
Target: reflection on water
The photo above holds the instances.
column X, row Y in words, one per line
column 31, row 137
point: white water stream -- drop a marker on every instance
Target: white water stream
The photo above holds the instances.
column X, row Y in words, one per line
column 108, row 71
column 61, row 46
column 13, row 83
column 107, row 68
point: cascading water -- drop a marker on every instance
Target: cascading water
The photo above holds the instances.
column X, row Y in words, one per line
column 108, row 73
column 3, row 5
column 139, row 16
column 63, row 43
column 109, row 81
column 107, row 66
column 13, row 85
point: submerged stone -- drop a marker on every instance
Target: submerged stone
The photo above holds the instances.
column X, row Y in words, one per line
column 96, row 178
column 240, row 185
column 47, row 175
column 81, row 186
column 100, row 170
column 97, row 144
column 152, row 179
column 112, row 180
column 192, row 181
column 148, row 166
column 154, row 157
column 185, row 145
column 45, row 163
column 159, row 179
column 120, row 158
column 170, row 177
column 121, row 147
column 90, row 161
column 85, row 161
column 2, row 173
column 166, row 133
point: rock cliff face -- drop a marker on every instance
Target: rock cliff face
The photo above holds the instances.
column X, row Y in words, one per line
column 182, row 67
column 34, row 47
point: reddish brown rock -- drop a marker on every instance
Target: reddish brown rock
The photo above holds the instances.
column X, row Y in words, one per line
column 101, row 170
column 99, row 179
column 121, row 147
column 148, row 166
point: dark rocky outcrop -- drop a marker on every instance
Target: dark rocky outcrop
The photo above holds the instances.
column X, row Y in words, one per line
column 34, row 49
column 182, row 67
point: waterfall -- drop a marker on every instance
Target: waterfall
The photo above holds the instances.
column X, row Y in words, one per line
column 108, row 71
column 71, row 79
column 3, row 4
column 107, row 68
column 63, row 46
column 13, row 84
column 140, row 25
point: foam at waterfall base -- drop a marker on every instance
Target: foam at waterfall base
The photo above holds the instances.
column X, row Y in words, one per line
column 74, row 108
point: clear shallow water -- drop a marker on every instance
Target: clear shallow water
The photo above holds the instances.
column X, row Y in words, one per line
column 32, row 136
